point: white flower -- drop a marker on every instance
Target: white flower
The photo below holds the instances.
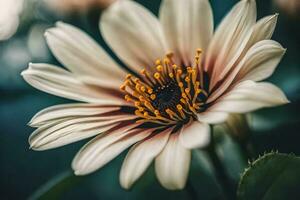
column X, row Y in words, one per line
column 9, row 17
column 169, row 107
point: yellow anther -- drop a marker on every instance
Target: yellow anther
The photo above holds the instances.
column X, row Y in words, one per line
column 141, row 98
column 152, row 96
column 198, row 91
column 187, row 90
column 159, row 68
column 174, row 66
column 137, row 103
column 146, row 103
column 156, row 112
column 197, row 58
column 171, row 75
column 189, row 69
column 179, row 71
column 179, row 107
column 143, row 88
column 183, row 95
column 137, row 87
column 134, row 93
column 150, row 90
column 170, row 54
column 199, row 51
column 128, row 76
column 180, row 84
column 146, row 114
column 158, row 62
column 143, row 71
column 138, row 113
column 187, row 79
column 127, row 82
column 127, row 97
column 122, row 87
column 166, row 60
column 172, row 114
column 182, row 100
column 141, row 109
column 136, row 80
column 157, row 75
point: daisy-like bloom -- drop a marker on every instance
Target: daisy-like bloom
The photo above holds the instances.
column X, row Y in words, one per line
column 183, row 79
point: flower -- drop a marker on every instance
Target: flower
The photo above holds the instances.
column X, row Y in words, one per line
column 67, row 6
column 169, row 100
column 10, row 11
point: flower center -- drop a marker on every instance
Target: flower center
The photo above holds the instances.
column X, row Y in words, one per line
column 169, row 94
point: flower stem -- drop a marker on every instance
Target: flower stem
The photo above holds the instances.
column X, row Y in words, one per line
column 229, row 188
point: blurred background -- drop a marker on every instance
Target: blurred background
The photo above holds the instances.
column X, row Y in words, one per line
column 26, row 174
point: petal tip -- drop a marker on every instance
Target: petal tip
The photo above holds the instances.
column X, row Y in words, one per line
column 23, row 73
column 30, row 123
column 284, row 50
column 285, row 100
column 77, row 173
column 49, row 32
column 59, row 23
column 125, row 186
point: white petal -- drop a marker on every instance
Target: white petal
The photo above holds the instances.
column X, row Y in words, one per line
column 59, row 82
column 230, row 39
column 172, row 164
column 69, row 110
column 70, row 130
column 67, row 135
column 104, row 148
column 195, row 135
column 263, row 29
column 82, row 55
column 188, row 25
column 248, row 96
column 133, row 33
column 211, row 117
column 140, row 157
column 259, row 63
column 261, row 60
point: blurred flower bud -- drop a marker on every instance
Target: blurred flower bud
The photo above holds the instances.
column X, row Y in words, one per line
column 9, row 17
column 289, row 7
column 69, row 6
column 237, row 125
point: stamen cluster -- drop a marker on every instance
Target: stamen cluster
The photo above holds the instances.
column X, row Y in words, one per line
column 169, row 94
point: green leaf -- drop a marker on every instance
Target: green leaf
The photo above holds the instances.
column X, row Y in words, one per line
column 55, row 187
column 274, row 176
